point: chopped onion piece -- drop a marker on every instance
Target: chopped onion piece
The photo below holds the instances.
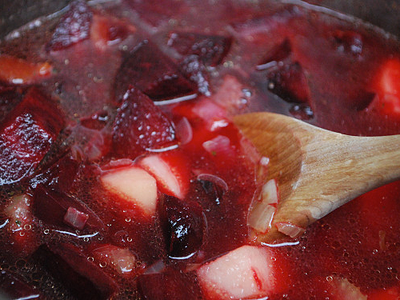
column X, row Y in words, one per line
column 220, row 145
column 75, row 218
column 344, row 289
column 260, row 217
column 121, row 259
column 289, row 229
column 212, row 114
column 19, row 212
column 184, row 131
column 269, row 192
column 263, row 211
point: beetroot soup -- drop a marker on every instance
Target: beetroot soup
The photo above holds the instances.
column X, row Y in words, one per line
column 122, row 175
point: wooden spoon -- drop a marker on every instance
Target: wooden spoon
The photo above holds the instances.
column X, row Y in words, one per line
column 317, row 170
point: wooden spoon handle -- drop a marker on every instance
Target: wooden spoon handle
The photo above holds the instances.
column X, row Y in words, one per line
column 347, row 167
column 317, row 170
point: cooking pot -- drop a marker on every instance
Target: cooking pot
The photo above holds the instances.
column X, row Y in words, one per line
column 382, row 13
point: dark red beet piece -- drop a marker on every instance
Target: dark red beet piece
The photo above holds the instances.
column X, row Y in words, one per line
column 171, row 284
column 70, row 266
column 210, row 48
column 153, row 73
column 140, row 125
column 73, row 27
column 183, row 225
column 277, row 54
column 348, row 42
column 26, row 135
column 50, row 206
column 285, row 77
column 289, row 83
column 195, row 70
column 9, row 98
column 58, row 174
column 16, row 288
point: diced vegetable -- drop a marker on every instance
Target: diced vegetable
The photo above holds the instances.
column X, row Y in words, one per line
column 170, row 171
column 183, row 223
column 214, row 116
column 58, row 209
column 262, row 211
column 26, row 135
column 184, row 131
column 219, row 146
column 210, row 48
column 20, row 221
column 246, row 272
column 18, row 71
column 134, row 185
column 75, row 218
column 289, row 229
column 152, row 72
column 342, row 289
column 121, row 259
column 73, row 27
column 135, row 132
column 81, row 276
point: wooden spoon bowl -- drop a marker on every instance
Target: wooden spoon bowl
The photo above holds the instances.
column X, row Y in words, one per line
column 317, row 170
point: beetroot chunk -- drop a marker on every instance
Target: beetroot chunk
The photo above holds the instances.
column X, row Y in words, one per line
column 58, row 174
column 153, row 73
column 69, row 265
column 26, row 135
column 183, row 224
column 9, row 98
column 289, row 83
column 54, row 208
column 140, row 125
column 277, row 54
column 193, row 67
column 73, row 27
column 210, row 48
column 16, row 287
column 285, row 76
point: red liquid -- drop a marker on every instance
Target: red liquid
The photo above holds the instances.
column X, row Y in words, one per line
column 147, row 90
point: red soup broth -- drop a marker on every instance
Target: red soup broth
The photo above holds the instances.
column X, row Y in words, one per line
column 122, row 175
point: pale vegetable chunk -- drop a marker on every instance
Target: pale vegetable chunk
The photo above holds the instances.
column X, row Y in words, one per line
column 167, row 174
column 246, row 272
column 120, row 259
column 133, row 184
column 262, row 211
column 20, row 224
column 342, row 289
